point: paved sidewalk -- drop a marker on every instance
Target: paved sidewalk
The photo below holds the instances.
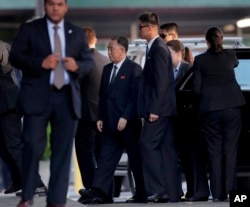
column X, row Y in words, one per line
column 11, row 201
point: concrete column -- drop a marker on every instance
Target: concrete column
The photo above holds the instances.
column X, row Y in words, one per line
column 39, row 10
column 133, row 30
column 239, row 32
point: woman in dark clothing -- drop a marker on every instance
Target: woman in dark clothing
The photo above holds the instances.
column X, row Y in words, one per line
column 220, row 99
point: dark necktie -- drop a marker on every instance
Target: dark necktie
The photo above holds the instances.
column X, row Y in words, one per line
column 113, row 74
column 147, row 50
column 59, row 71
column 175, row 73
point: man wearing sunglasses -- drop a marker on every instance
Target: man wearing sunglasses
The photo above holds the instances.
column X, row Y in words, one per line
column 156, row 105
column 169, row 31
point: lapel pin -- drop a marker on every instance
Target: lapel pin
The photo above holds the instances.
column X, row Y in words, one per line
column 70, row 31
column 123, row 77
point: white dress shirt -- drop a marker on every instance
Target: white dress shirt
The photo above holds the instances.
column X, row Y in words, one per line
column 61, row 34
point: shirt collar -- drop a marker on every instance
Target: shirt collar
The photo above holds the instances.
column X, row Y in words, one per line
column 51, row 24
column 151, row 42
column 119, row 64
column 178, row 66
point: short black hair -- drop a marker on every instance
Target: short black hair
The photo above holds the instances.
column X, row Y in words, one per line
column 45, row 1
column 121, row 40
column 170, row 26
column 149, row 17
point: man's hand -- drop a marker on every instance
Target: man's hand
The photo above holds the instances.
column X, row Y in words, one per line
column 50, row 62
column 121, row 124
column 153, row 117
column 70, row 64
column 99, row 125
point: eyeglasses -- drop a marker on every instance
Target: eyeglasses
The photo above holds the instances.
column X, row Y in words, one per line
column 141, row 26
column 165, row 35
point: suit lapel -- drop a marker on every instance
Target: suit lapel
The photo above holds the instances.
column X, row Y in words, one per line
column 121, row 71
column 107, row 79
column 148, row 57
column 68, row 37
column 182, row 70
column 44, row 34
column 118, row 75
column 179, row 71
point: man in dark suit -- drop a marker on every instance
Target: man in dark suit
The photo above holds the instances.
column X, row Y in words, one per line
column 86, row 135
column 10, row 120
column 118, row 123
column 11, row 124
column 156, row 105
column 170, row 31
column 52, row 55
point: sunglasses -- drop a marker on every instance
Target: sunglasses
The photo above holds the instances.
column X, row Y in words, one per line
column 165, row 35
column 141, row 26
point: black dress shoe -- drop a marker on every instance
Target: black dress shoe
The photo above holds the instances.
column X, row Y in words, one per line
column 87, row 193
column 55, row 205
column 91, row 196
column 197, row 199
column 183, row 199
column 14, row 187
column 40, row 191
column 136, row 199
column 217, row 200
column 81, row 200
column 82, row 191
column 188, row 195
column 158, row 198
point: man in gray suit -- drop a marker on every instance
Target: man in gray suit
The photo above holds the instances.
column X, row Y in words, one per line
column 47, row 50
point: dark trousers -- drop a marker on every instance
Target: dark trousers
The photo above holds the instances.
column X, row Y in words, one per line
column 192, row 155
column 63, row 126
column 160, row 158
column 222, row 130
column 183, row 143
column 112, row 145
column 11, row 144
column 199, row 164
column 85, row 144
column 5, row 176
